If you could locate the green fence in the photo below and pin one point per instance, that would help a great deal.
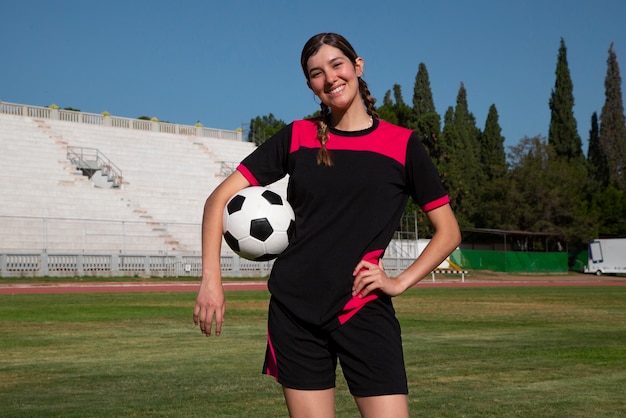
(511, 261)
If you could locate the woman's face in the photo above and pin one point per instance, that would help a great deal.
(334, 78)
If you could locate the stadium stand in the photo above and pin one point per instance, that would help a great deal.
(167, 171)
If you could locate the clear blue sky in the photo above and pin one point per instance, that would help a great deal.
(223, 63)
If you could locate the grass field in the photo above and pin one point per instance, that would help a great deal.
(470, 352)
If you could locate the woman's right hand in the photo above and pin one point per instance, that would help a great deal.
(210, 306)
(210, 303)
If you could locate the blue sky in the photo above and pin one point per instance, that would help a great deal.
(223, 63)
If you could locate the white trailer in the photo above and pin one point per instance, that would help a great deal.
(606, 256)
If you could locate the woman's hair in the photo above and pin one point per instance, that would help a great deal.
(310, 48)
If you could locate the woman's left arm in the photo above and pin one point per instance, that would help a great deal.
(447, 237)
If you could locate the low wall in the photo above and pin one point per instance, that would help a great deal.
(120, 265)
(139, 265)
(29, 264)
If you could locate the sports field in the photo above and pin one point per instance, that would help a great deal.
(471, 351)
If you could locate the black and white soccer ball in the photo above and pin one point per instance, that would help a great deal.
(258, 223)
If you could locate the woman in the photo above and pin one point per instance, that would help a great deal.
(350, 177)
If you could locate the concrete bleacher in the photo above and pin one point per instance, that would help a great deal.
(48, 205)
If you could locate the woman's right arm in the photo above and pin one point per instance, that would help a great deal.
(210, 303)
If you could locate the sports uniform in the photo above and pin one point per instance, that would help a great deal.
(344, 213)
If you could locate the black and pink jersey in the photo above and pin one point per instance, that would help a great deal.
(344, 213)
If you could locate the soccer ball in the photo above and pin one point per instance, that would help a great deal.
(258, 223)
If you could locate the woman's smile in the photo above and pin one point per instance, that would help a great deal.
(337, 90)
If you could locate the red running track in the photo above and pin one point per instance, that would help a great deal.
(46, 288)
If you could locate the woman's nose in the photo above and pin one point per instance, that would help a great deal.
(331, 77)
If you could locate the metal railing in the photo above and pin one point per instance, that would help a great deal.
(122, 265)
(92, 159)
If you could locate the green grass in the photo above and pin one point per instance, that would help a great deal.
(472, 352)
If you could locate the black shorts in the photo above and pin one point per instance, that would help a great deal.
(368, 346)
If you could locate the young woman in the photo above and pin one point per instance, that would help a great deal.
(350, 177)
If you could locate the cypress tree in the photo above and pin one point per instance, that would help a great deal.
(494, 192)
(492, 155)
(563, 134)
(427, 122)
(468, 143)
(597, 165)
(449, 170)
(386, 111)
(423, 102)
(612, 124)
(460, 159)
(402, 110)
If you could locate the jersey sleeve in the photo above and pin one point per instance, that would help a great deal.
(423, 181)
(269, 162)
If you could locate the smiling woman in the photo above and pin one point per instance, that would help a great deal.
(333, 71)
(350, 176)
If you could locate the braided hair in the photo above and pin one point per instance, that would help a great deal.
(310, 49)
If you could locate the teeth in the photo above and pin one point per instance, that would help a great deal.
(336, 90)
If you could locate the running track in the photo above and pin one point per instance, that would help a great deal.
(101, 287)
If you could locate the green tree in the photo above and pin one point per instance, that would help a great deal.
(612, 124)
(563, 133)
(263, 127)
(460, 150)
(427, 122)
(609, 207)
(597, 164)
(423, 102)
(403, 112)
(449, 171)
(493, 192)
(492, 155)
(387, 110)
(547, 193)
(395, 110)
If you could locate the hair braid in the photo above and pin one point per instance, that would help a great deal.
(368, 99)
(323, 156)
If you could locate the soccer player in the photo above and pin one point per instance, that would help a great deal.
(350, 175)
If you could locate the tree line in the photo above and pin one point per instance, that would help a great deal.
(540, 184)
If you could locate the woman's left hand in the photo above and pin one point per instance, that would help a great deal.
(369, 277)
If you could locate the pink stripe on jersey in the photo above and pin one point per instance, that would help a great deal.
(272, 366)
(388, 140)
(248, 175)
(357, 302)
(436, 203)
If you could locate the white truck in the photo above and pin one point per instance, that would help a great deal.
(606, 256)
